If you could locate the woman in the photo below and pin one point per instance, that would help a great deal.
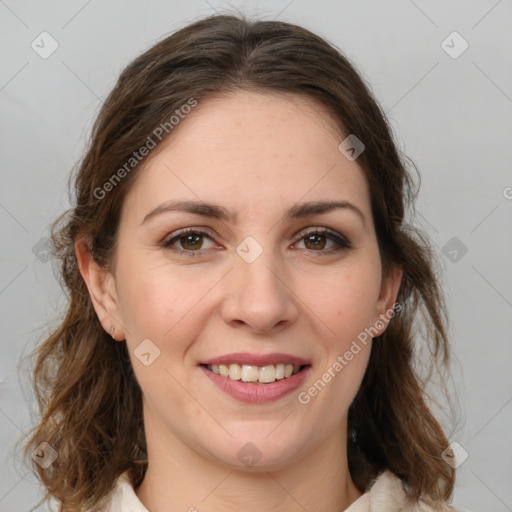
(239, 232)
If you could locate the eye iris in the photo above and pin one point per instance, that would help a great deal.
(187, 238)
(316, 244)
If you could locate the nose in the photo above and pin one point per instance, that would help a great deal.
(259, 295)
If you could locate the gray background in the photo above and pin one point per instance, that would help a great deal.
(452, 116)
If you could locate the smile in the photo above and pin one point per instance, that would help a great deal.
(258, 374)
(245, 384)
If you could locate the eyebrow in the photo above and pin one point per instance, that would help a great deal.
(218, 212)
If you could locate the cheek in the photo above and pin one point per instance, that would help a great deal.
(152, 304)
(161, 302)
(344, 300)
(143, 296)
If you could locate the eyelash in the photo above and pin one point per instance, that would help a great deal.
(342, 242)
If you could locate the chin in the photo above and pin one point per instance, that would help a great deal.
(260, 455)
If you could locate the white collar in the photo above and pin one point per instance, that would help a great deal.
(385, 494)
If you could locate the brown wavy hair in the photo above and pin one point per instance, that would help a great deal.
(89, 400)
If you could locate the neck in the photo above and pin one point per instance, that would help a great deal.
(178, 478)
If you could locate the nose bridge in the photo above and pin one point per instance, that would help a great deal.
(261, 273)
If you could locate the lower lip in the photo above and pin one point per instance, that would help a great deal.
(257, 393)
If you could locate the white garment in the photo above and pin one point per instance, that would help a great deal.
(386, 494)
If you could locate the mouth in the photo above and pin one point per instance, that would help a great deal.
(265, 374)
(256, 378)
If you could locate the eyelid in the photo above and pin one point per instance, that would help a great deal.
(321, 231)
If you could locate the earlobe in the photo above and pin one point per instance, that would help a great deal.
(101, 286)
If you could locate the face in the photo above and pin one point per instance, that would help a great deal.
(260, 280)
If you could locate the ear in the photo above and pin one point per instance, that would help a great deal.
(385, 309)
(102, 291)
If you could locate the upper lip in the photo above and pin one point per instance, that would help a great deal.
(242, 358)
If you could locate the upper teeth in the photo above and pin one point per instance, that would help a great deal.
(250, 373)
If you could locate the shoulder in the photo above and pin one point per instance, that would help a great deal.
(387, 494)
(121, 498)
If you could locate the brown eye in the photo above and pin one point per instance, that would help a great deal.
(193, 242)
(318, 240)
(315, 241)
(188, 241)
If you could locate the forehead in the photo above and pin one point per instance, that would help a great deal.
(248, 151)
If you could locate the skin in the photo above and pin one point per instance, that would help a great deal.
(257, 155)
